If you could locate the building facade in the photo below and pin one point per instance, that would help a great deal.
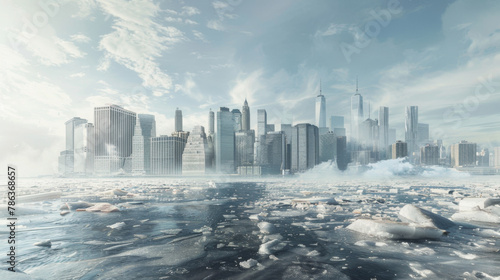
(144, 130)
(166, 155)
(197, 158)
(224, 142)
(399, 149)
(463, 154)
(84, 149)
(305, 147)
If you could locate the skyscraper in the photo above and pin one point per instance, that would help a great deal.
(320, 109)
(244, 148)
(463, 154)
(399, 150)
(178, 120)
(383, 134)
(356, 114)
(166, 155)
(145, 129)
(327, 146)
(261, 122)
(224, 142)
(245, 117)
(423, 133)
(429, 154)
(211, 126)
(114, 129)
(197, 157)
(342, 159)
(275, 152)
(70, 131)
(411, 129)
(305, 147)
(236, 119)
(84, 149)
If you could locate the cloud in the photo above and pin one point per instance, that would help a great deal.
(80, 38)
(137, 40)
(77, 75)
(215, 25)
(246, 87)
(189, 88)
(334, 29)
(189, 11)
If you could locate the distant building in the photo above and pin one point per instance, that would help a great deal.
(336, 122)
(320, 109)
(411, 129)
(84, 149)
(483, 158)
(261, 122)
(145, 128)
(339, 131)
(463, 154)
(178, 120)
(211, 126)
(245, 117)
(305, 147)
(166, 155)
(275, 152)
(399, 150)
(244, 148)
(383, 133)
(114, 129)
(269, 128)
(429, 155)
(236, 113)
(260, 138)
(66, 162)
(342, 158)
(197, 157)
(356, 114)
(327, 146)
(496, 151)
(224, 140)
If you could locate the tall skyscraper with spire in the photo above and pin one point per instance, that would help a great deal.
(145, 129)
(211, 126)
(178, 120)
(320, 109)
(356, 113)
(245, 117)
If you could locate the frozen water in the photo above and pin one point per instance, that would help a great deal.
(187, 228)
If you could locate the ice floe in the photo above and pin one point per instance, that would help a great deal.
(395, 230)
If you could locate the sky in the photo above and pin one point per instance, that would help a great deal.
(60, 59)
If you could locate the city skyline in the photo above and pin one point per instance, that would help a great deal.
(439, 56)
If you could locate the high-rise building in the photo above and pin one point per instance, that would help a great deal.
(211, 126)
(275, 152)
(336, 122)
(383, 133)
(244, 148)
(463, 154)
(70, 131)
(287, 129)
(483, 157)
(114, 129)
(496, 152)
(320, 109)
(145, 128)
(429, 154)
(84, 149)
(399, 149)
(66, 162)
(245, 117)
(178, 120)
(197, 158)
(237, 119)
(305, 147)
(423, 134)
(269, 128)
(342, 159)
(166, 155)
(327, 146)
(261, 122)
(356, 114)
(224, 140)
(411, 128)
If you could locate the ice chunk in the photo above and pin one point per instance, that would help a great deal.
(78, 205)
(46, 243)
(271, 246)
(482, 216)
(412, 214)
(116, 192)
(465, 255)
(394, 230)
(249, 263)
(315, 200)
(470, 203)
(38, 197)
(117, 226)
(65, 212)
(102, 207)
(265, 227)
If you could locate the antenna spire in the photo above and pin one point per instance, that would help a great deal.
(356, 83)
